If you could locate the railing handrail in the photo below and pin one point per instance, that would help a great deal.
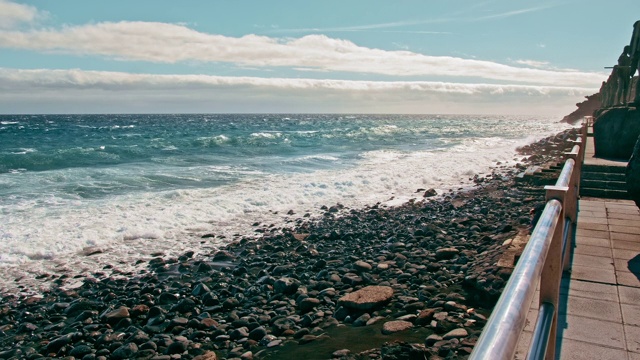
(543, 257)
(500, 335)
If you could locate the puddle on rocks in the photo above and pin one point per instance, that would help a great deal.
(356, 339)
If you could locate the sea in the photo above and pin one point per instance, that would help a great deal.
(85, 195)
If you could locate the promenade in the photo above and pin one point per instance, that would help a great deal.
(599, 314)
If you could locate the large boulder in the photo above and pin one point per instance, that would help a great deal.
(615, 132)
(633, 174)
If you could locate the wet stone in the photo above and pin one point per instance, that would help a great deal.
(286, 285)
(362, 320)
(361, 266)
(115, 316)
(455, 334)
(308, 304)
(392, 327)
(432, 339)
(341, 353)
(367, 298)
(80, 351)
(446, 253)
(125, 351)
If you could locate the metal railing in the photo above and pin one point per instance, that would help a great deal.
(542, 261)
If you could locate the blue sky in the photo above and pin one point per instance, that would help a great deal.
(406, 56)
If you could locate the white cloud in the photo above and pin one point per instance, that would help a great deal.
(12, 14)
(66, 91)
(533, 63)
(170, 43)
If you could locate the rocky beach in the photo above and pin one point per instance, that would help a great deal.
(413, 281)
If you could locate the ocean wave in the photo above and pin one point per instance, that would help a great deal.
(147, 200)
(267, 135)
(24, 151)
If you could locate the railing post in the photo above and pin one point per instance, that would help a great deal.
(585, 128)
(552, 270)
(578, 158)
(570, 203)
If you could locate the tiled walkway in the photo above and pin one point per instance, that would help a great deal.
(599, 315)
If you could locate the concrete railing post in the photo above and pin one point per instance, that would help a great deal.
(552, 270)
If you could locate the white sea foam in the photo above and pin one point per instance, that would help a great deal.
(267, 135)
(134, 226)
(24, 151)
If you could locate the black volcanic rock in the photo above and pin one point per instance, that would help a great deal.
(633, 174)
(615, 132)
(585, 108)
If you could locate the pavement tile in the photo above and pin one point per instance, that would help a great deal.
(621, 265)
(523, 345)
(580, 350)
(593, 274)
(625, 254)
(591, 290)
(592, 214)
(633, 356)
(629, 295)
(624, 204)
(532, 317)
(593, 250)
(630, 314)
(592, 220)
(585, 240)
(594, 202)
(626, 245)
(592, 233)
(631, 266)
(632, 334)
(593, 308)
(625, 229)
(625, 237)
(625, 222)
(627, 279)
(593, 261)
(622, 210)
(624, 216)
(592, 226)
(594, 331)
(535, 303)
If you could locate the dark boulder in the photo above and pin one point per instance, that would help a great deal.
(615, 133)
(633, 174)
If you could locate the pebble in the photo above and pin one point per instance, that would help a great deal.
(392, 327)
(455, 333)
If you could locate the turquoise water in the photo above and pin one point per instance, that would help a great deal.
(134, 184)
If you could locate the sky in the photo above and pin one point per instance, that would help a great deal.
(405, 56)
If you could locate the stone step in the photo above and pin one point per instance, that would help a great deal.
(603, 169)
(603, 184)
(604, 193)
(603, 176)
(550, 170)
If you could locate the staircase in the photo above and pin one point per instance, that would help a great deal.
(603, 181)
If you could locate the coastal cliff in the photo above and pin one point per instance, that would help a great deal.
(585, 108)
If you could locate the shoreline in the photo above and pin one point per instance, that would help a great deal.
(284, 291)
